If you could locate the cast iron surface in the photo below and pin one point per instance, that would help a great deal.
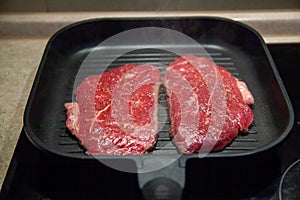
(232, 45)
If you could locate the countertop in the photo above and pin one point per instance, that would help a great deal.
(24, 36)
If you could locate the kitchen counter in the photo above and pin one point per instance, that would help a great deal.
(19, 60)
(23, 37)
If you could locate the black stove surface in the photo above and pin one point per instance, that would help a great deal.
(34, 174)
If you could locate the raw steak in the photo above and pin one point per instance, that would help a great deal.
(207, 105)
(116, 113)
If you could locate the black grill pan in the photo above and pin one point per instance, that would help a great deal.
(232, 45)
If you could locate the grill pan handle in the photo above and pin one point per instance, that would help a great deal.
(163, 184)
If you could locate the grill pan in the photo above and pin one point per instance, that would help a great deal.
(233, 45)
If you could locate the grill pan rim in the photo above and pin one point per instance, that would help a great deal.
(41, 144)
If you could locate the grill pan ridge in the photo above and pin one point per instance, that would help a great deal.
(249, 141)
(237, 48)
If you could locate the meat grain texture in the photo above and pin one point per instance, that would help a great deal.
(116, 113)
(207, 105)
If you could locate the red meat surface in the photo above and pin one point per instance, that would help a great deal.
(207, 105)
(115, 113)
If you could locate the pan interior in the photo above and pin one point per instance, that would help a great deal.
(237, 49)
